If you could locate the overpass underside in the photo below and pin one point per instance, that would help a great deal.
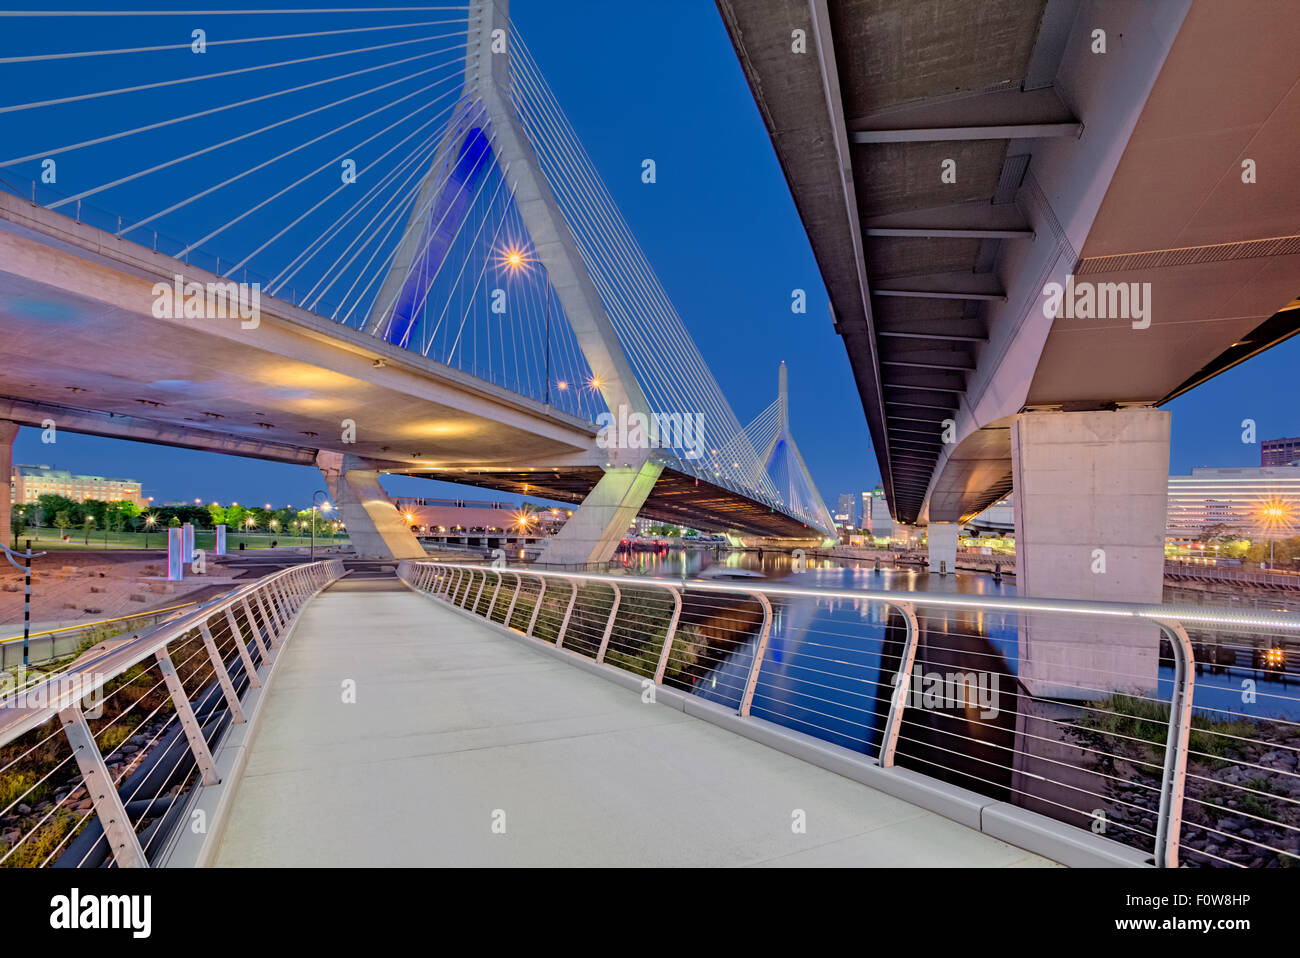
(677, 498)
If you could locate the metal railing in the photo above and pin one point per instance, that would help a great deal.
(54, 644)
(98, 759)
(1091, 713)
(1214, 573)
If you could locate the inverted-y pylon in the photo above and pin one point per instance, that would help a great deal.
(781, 459)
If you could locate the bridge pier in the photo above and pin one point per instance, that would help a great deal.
(941, 538)
(601, 522)
(8, 432)
(1090, 491)
(375, 527)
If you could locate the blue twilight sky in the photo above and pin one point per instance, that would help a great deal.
(661, 81)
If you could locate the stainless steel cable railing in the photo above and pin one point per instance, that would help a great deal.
(99, 755)
(1171, 729)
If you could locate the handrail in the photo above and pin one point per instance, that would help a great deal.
(1132, 610)
(279, 596)
(1168, 621)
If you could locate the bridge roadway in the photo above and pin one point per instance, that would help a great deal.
(454, 720)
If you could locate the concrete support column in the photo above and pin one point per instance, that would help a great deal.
(8, 432)
(942, 539)
(375, 527)
(1090, 491)
(601, 522)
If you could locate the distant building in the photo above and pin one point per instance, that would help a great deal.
(467, 515)
(876, 517)
(29, 483)
(1279, 452)
(1249, 502)
(846, 513)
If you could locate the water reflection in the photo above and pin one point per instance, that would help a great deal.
(830, 666)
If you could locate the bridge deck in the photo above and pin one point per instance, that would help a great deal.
(453, 720)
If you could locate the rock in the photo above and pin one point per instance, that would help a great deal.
(1230, 825)
(85, 806)
(137, 740)
(24, 809)
(128, 749)
(136, 597)
(1248, 833)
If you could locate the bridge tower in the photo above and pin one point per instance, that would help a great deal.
(486, 120)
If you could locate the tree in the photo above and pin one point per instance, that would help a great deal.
(89, 523)
(17, 520)
(63, 521)
(174, 522)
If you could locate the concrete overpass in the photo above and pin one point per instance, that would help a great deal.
(86, 350)
(952, 161)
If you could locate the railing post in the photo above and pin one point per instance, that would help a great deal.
(121, 836)
(272, 628)
(538, 607)
(564, 625)
(609, 625)
(249, 670)
(902, 683)
(263, 645)
(668, 639)
(760, 649)
(479, 595)
(1169, 824)
(223, 675)
(510, 612)
(495, 592)
(189, 724)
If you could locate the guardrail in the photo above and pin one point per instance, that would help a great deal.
(54, 644)
(1087, 712)
(1214, 573)
(98, 759)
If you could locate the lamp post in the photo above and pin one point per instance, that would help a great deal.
(324, 507)
(149, 522)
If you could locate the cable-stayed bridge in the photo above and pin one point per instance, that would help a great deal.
(368, 240)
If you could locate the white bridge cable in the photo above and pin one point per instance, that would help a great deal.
(419, 148)
(45, 57)
(464, 119)
(82, 97)
(815, 510)
(624, 247)
(243, 136)
(334, 161)
(638, 347)
(222, 13)
(416, 318)
(56, 151)
(406, 193)
(751, 474)
(413, 161)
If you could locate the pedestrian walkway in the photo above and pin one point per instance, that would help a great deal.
(465, 747)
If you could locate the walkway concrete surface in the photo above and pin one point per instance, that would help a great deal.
(465, 747)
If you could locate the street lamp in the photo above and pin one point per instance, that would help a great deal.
(324, 507)
(149, 522)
